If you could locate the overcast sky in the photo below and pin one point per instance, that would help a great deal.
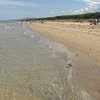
(15, 9)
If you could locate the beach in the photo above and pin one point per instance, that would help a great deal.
(83, 40)
(49, 61)
(32, 67)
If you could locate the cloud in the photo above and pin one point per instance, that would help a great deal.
(82, 10)
(62, 11)
(13, 9)
(19, 3)
(51, 12)
(91, 5)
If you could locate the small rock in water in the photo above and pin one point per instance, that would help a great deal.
(69, 65)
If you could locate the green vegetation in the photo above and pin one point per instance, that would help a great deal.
(79, 16)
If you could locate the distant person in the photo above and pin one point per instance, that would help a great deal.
(21, 23)
(30, 22)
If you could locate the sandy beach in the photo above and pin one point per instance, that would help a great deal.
(83, 40)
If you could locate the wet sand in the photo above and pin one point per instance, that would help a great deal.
(84, 41)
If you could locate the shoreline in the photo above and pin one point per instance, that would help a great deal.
(83, 40)
(73, 35)
(32, 66)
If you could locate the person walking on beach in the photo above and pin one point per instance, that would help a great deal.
(21, 23)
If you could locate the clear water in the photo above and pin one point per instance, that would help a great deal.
(30, 66)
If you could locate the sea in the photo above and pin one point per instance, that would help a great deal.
(32, 67)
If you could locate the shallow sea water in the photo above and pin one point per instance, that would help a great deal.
(30, 68)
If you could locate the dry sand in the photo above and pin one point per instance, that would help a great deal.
(84, 41)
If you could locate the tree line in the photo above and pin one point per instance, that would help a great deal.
(95, 15)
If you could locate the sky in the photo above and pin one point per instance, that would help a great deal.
(16, 9)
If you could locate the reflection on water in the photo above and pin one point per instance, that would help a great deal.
(31, 69)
